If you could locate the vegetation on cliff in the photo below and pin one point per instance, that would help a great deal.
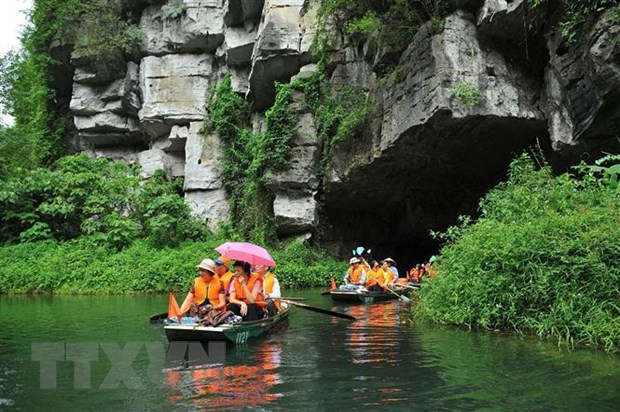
(542, 258)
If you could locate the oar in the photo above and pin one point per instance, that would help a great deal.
(320, 310)
(401, 297)
(157, 318)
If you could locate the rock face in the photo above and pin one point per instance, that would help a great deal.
(425, 155)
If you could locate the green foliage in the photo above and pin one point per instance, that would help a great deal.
(577, 12)
(173, 9)
(542, 257)
(83, 266)
(101, 31)
(466, 93)
(362, 25)
(106, 201)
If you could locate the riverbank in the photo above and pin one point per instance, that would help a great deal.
(83, 267)
(542, 259)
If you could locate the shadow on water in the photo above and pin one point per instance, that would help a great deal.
(315, 362)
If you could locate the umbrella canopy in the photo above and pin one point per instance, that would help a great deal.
(247, 252)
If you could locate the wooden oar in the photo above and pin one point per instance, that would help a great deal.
(320, 310)
(401, 297)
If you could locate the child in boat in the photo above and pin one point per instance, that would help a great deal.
(246, 293)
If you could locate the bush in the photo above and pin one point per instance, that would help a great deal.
(83, 266)
(543, 258)
(466, 93)
(108, 201)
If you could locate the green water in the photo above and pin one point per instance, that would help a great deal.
(314, 363)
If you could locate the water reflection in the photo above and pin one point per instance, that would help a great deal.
(249, 383)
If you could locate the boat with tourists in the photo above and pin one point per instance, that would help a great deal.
(236, 333)
(361, 296)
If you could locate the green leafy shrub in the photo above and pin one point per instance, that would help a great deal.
(173, 9)
(575, 13)
(542, 258)
(83, 266)
(362, 25)
(466, 93)
(80, 196)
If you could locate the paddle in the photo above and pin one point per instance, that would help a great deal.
(401, 297)
(320, 310)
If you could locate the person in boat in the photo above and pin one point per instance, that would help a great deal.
(356, 275)
(271, 289)
(415, 275)
(388, 274)
(207, 292)
(376, 277)
(246, 293)
(392, 266)
(222, 265)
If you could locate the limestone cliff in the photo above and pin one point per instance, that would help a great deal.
(425, 157)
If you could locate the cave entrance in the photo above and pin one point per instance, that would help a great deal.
(423, 182)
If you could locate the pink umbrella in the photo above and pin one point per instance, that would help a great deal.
(247, 252)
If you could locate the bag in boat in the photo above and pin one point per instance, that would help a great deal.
(216, 318)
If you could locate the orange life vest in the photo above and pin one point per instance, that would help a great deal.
(373, 277)
(240, 293)
(225, 278)
(268, 288)
(215, 288)
(200, 290)
(389, 275)
(355, 275)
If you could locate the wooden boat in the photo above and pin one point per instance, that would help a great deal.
(363, 297)
(236, 332)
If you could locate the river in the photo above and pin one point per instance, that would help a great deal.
(315, 362)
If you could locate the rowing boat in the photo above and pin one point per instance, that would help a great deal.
(236, 332)
(363, 297)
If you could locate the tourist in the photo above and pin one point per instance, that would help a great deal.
(376, 277)
(392, 265)
(245, 293)
(207, 292)
(388, 273)
(271, 289)
(356, 275)
(222, 265)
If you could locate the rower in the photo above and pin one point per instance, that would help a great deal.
(388, 273)
(376, 277)
(356, 275)
(271, 289)
(245, 293)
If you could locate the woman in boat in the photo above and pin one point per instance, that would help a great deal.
(271, 290)
(246, 293)
(376, 277)
(207, 292)
(222, 265)
(356, 275)
(389, 275)
(392, 267)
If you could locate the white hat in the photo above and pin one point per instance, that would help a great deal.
(389, 260)
(354, 260)
(207, 264)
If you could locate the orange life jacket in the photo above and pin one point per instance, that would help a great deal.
(373, 277)
(355, 275)
(200, 290)
(240, 293)
(268, 288)
(225, 278)
(215, 288)
(389, 275)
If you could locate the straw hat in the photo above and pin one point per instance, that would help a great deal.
(207, 264)
(354, 260)
(390, 260)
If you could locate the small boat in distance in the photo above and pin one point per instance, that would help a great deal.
(236, 333)
(361, 296)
